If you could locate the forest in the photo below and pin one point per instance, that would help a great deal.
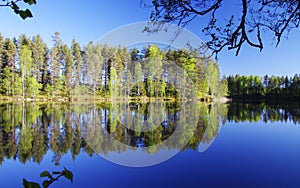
(29, 70)
(275, 88)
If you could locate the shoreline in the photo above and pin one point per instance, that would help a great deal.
(143, 99)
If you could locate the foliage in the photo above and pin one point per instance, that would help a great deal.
(51, 178)
(101, 71)
(14, 6)
(32, 87)
(25, 66)
(268, 87)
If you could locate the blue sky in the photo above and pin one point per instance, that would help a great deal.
(88, 20)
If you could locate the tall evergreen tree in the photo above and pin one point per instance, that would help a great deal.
(138, 79)
(69, 63)
(107, 59)
(77, 58)
(24, 41)
(39, 54)
(9, 61)
(1, 56)
(94, 63)
(1, 51)
(54, 86)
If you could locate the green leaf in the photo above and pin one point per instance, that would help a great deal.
(33, 185)
(15, 7)
(68, 174)
(25, 14)
(46, 183)
(16, 11)
(45, 174)
(30, 2)
(25, 183)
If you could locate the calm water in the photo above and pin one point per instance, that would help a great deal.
(236, 145)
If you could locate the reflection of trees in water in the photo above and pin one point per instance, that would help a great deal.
(28, 131)
(210, 120)
(266, 112)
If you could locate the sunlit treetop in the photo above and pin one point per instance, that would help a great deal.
(230, 24)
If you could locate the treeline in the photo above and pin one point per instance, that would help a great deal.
(28, 131)
(29, 69)
(266, 112)
(267, 87)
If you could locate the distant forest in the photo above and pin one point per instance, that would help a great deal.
(31, 70)
(281, 88)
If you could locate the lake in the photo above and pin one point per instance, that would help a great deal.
(152, 145)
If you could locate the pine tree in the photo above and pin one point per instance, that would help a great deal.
(94, 63)
(1, 57)
(138, 80)
(45, 70)
(107, 59)
(77, 58)
(127, 77)
(9, 61)
(69, 63)
(54, 71)
(6, 82)
(24, 41)
(39, 53)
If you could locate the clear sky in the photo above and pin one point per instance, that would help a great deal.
(88, 20)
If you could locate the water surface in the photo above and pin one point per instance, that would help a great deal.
(237, 145)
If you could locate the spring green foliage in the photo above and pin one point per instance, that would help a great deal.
(114, 83)
(29, 69)
(25, 70)
(267, 87)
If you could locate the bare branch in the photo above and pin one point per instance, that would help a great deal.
(279, 34)
(257, 17)
(201, 13)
